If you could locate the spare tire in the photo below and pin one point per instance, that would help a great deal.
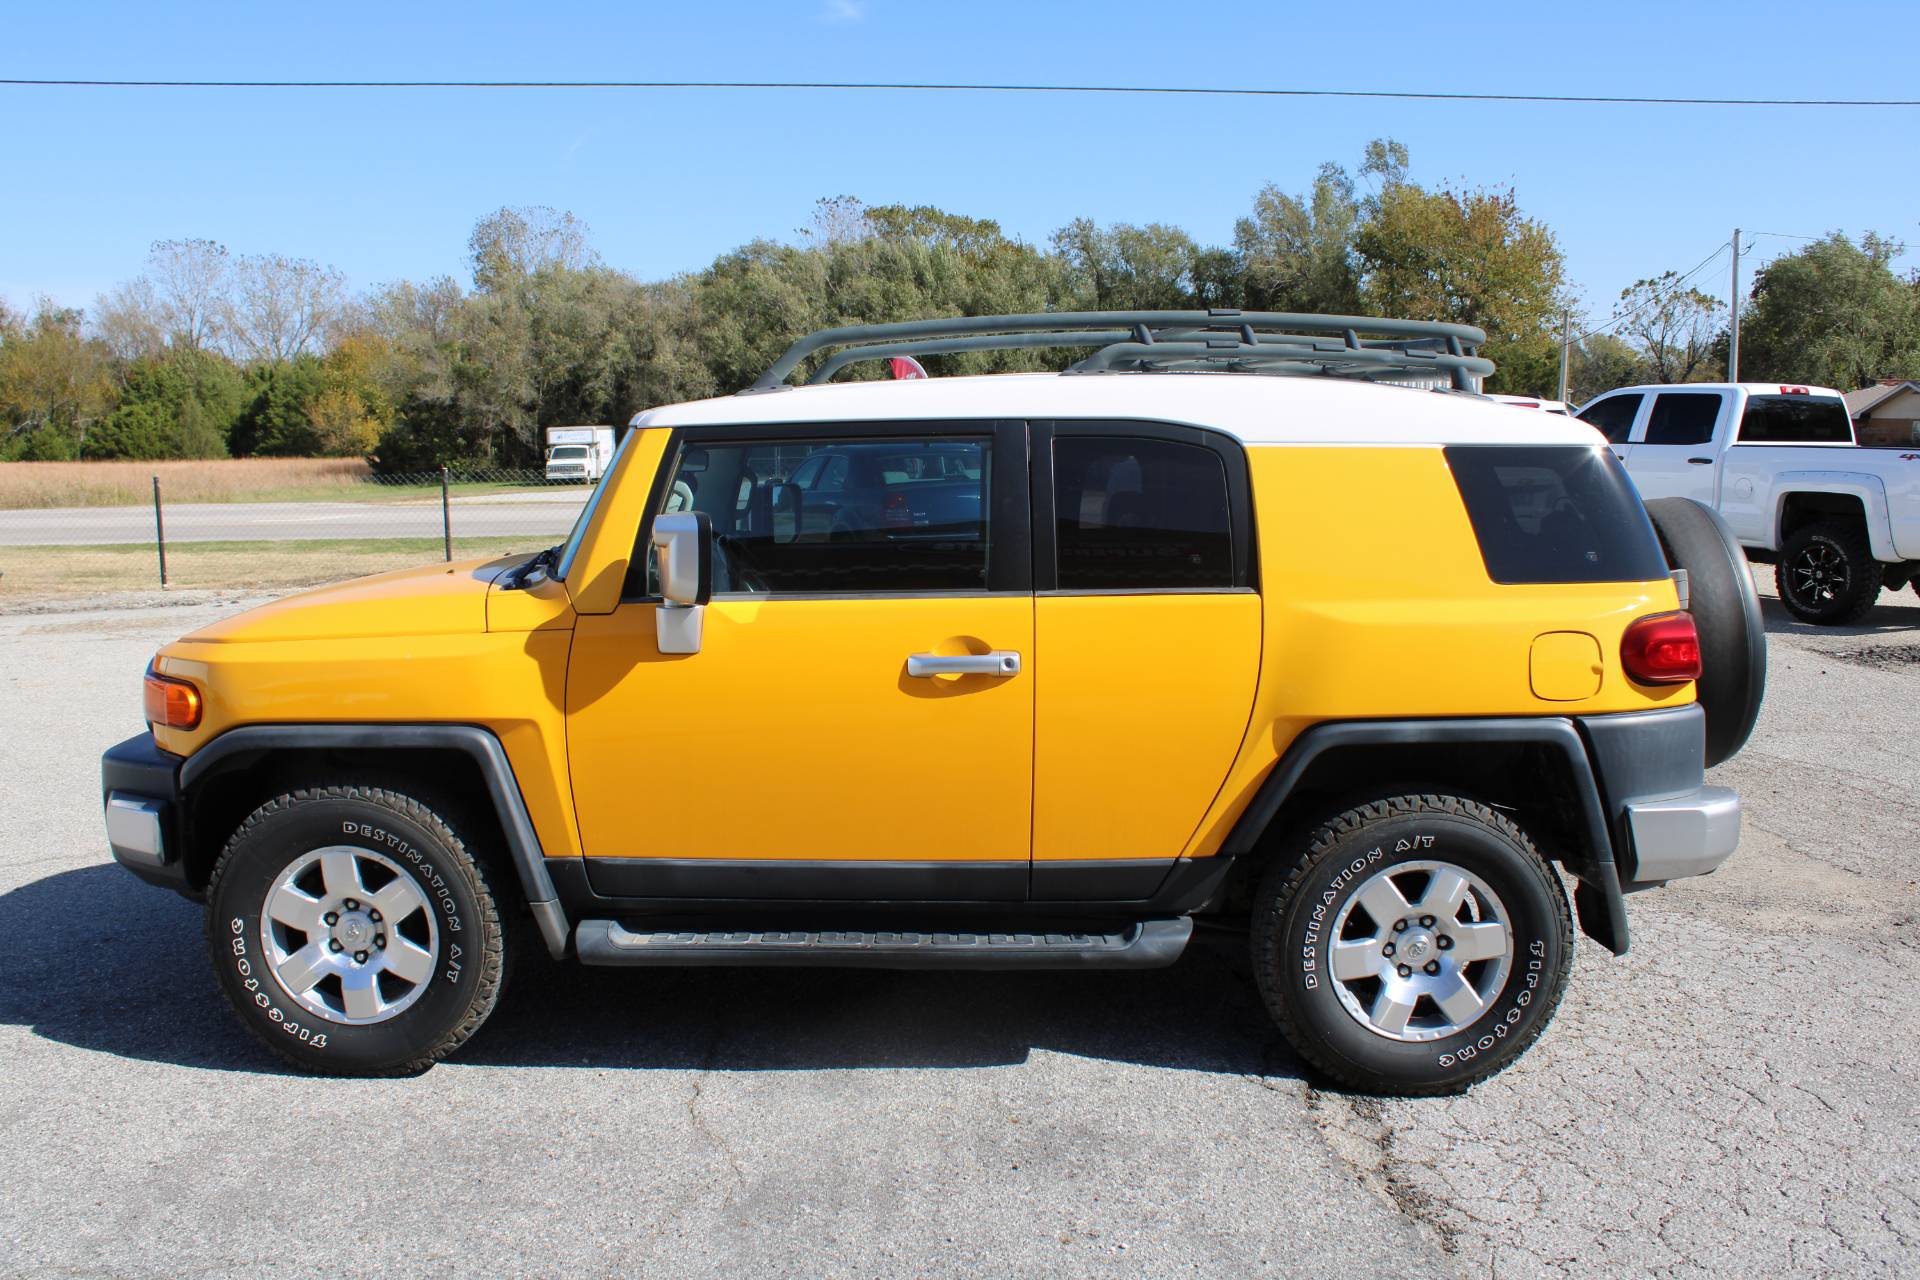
(1726, 613)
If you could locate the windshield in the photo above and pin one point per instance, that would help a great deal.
(563, 451)
(571, 547)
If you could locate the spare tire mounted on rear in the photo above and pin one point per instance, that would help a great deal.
(1726, 612)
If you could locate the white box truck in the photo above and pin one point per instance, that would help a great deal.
(578, 454)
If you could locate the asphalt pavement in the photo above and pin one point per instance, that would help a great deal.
(542, 512)
(1737, 1097)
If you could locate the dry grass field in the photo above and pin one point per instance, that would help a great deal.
(120, 484)
(27, 573)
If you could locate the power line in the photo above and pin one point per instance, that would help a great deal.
(916, 87)
(1679, 284)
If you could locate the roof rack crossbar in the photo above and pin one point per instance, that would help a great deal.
(1080, 322)
(1133, 355)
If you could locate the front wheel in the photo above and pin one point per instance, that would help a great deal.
(354, 932)
(1418, 945)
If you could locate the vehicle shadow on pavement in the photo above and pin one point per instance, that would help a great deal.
(1895, 612)
(139, 986)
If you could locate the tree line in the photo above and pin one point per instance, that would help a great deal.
(209, 355)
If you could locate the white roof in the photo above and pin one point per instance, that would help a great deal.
(1751, 388)
(1257, 409)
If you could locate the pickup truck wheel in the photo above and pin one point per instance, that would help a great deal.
(353, 931)
(1726, 613)
(1827, 574)
(1416, 947)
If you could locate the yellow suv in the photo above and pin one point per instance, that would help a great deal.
(1263, 617)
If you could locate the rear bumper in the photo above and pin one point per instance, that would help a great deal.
(1666, 822)
(140, 788)
(1688, 835)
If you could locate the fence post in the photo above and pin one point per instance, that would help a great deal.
(446, 512)
(159, 531)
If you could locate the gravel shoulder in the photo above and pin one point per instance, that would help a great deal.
(1736, 1097)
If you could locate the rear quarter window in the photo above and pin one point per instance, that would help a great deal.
(1555, 513)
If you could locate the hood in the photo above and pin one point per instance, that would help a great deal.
(440, 599)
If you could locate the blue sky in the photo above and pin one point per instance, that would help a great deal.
(387, 184)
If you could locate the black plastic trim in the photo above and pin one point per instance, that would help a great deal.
(1645, 755)
(1098, 880)
(238, 746)
(808, 879)
(1594, 863)
(139, 767)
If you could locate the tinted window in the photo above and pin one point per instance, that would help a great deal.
(882, 515)
(1683, 417)
(1555, 513)
(1612, 417)
(1795, 420)
(1139, 514)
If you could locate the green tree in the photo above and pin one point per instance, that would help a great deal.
(1600, 362)
(182, 404)
(55, 385)
(1124, 267)
(276, 420)
(1297, 253)
(1833, 314)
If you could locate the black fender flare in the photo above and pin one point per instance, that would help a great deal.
(237, 747)
(1597, 895)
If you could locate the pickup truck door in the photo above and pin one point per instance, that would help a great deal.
(1674, 450)
(1148, 628)
(858, 721)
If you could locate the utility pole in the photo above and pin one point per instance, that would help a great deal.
(1733, 300)
(1566, 346)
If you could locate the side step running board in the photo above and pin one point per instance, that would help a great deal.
(1150, 944)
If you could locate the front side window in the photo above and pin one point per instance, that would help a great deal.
(1612, 417)
(1137, 514)
(907, 515)
(1792, 419)
(1683, 417)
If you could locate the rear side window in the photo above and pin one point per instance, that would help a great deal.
(1613, 417)
(1140, 514)
(1683, 417)
(1555, 513)
(1795, 420)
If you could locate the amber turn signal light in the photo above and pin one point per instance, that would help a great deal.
(173, 703)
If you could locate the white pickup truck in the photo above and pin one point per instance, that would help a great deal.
(1780, 463)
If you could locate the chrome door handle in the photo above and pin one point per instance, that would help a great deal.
(1001, 662)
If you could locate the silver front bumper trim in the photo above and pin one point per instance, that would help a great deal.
(134, 831)
(1688, 835)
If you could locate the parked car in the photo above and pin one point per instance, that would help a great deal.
(1076, 660)
(1780, 463)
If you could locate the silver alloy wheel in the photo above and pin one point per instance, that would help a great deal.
(348, 952)
(1424, 967)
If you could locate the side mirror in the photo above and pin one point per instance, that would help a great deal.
(683, 546)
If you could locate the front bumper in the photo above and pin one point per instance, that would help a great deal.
(140, 787)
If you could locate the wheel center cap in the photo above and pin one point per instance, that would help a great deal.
(1417, 947)
(354, 930)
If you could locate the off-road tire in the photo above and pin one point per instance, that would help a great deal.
(470, 941)
(1726, 614)
(1836, 538)
(1302, 895)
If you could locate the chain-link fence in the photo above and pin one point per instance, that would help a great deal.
(272, 540)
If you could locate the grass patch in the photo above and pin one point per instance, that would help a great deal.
(239, 566)
(130, 484)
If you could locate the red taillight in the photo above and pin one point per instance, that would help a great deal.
(1795, 391)
(173, 703)
(1661, 649)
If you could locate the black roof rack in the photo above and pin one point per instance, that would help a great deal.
(1362, 347)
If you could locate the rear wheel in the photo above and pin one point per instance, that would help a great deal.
(354, 932)
(1417, 946)
(1827, 574)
